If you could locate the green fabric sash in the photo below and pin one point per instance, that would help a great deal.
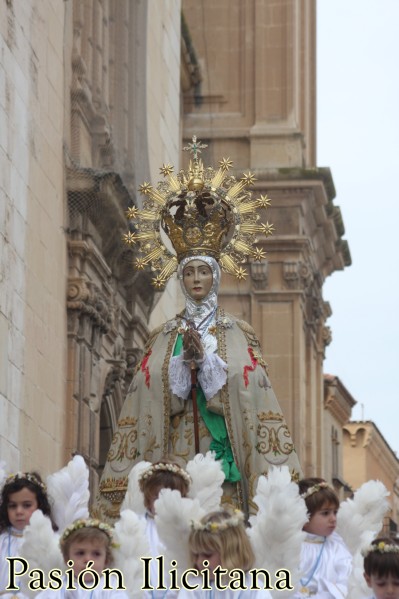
(216, 426)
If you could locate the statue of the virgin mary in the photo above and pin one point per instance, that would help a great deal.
(202, 383)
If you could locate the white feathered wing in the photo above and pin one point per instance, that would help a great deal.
(131, 544)
(173, 518)
(276, 531)
(134, 498)
(3, 473)
(359, 521)
(69, 491)
(207, 479)
(40, 545)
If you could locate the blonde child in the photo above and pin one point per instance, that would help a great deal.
(22, 494)
(219, 541)
(84, 541)
(381, 568)
(325, 560)
(165, 474)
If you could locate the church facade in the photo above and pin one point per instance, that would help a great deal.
(95, 95)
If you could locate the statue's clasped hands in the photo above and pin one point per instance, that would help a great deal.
(193, 350)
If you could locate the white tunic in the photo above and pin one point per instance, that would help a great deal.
(215, 593)
(326, 564)
(156, 549)
(10, 544)
(98, 593)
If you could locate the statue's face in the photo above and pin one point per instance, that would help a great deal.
(197, 279)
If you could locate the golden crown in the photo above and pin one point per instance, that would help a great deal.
(203, 211)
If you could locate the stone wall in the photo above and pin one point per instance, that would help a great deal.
(32, 234)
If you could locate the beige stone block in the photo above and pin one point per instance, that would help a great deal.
(9, 453)
(18, 189)
(276, 152)
(4, 172)
(17, 346)
(11, 418)
(17, 232)
(55, 108)
(4, 326)
(15, 384)
(18, 311)
(4, 131)
(55, 71)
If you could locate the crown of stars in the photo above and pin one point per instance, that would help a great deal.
(249, 178)
(267, 228)
(166, 169)
(263, 202)
(225, 164)
(129, 238)
(145, 188)
(131, 212)
(204, 198)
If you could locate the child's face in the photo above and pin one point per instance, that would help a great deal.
(85, 551)
(323, 522)
(384, 587)
(20, 507)
(213, 557)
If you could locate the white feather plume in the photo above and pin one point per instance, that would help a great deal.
(357, 586)
(174, 514)
(276, 531)
(131, 544)
(134, 498)
(359, 520)
(3, 473)
(40, 545)
(207, 479)
(365, 512)
(69, 491)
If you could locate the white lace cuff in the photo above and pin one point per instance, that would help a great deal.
(212, 375)
(179, 377)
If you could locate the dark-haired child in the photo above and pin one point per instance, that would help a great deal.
(381, 568)
(21, 495)
(326, 562)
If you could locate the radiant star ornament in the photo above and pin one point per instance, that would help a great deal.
(203, 211)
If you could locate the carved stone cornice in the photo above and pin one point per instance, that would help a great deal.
(85, 298)
(259, 274)
(116, 375)
(96, 120)
(297, 275)
(326, 336)
(337, 399)
(366, 435)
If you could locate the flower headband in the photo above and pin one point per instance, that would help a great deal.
(380, 547)
(87, 523)
(214, 527)
(314, 489)
(164, 467)
(32, 478)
